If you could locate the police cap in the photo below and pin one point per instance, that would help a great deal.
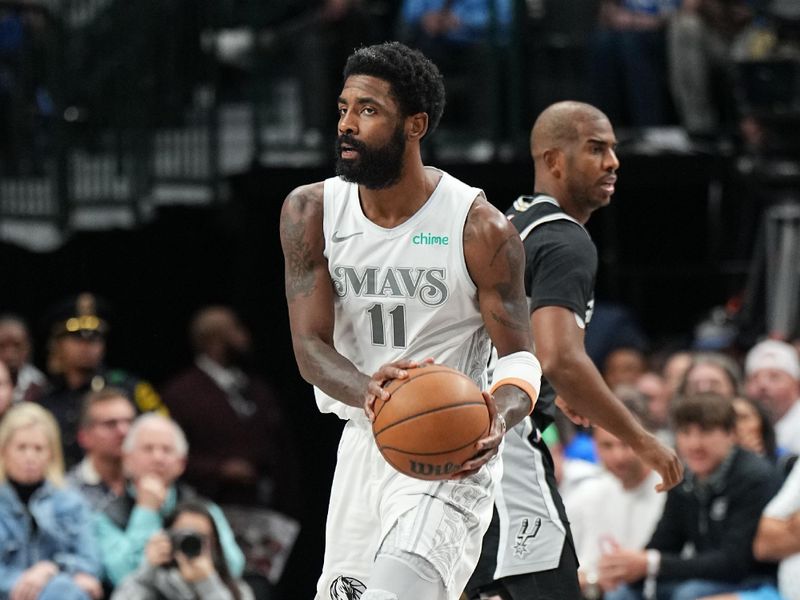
(84, 315)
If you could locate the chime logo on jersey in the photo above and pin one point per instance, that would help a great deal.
(347, 588)
(525, 533)
(429, 239)
(392, 282)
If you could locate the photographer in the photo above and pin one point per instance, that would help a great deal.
(184, 562)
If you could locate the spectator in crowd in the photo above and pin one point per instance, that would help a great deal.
(704, 38)
(16, 351)
(627, 55)
(656, 392)
(715, 512)
(6, 389)
(778, 535)
(184, 561)
(243, 454)
(755, 432)
(77, 328)
(674, 370)
(106, 417)
(462, 37)
(45, 531)
(624, 365)
(772, 372)
(712, 372)
(618, 508)
(613, 326)
(154, 457)
(570, 473)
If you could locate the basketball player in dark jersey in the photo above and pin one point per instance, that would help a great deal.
(528, 550)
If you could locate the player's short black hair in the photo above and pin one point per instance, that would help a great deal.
(415, 81)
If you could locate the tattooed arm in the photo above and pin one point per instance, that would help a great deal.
(309, 294)
(496, 261)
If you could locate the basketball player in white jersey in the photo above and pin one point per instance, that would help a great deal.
(528, 551)
(387, 265)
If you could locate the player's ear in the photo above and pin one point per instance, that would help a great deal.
(416, 125)
(552, 160)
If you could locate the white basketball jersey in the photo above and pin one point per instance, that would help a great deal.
(402, 292)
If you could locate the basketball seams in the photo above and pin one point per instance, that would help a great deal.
(427, 412)
(412, 453)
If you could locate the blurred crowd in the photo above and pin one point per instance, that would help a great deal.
(729, 530)
(645, 63)
(113, 488)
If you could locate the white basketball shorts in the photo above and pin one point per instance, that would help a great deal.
(444, 521)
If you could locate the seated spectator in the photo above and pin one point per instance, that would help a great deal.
(657, 394)
(154, 457)
(703, 37)
(16, 350)
(45, 531)
(624, 365)
(106, 417)
(628, 66)
(618, 508)
(570, 472)
(778, 535)
(674, 369)
(184, 561)
(712, 372)
(77, 344)
(6, 389)
(460, 36)
(754, 432)
(702, 544)
(243, 455)
(772, 377)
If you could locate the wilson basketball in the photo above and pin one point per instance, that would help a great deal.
(431, 422)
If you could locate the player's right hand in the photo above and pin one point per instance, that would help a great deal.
(570, 413)
(376, 387)
(664, 461)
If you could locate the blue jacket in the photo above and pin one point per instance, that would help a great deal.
(63, 534)
(123, 529)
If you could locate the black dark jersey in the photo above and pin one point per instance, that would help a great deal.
(560, 270)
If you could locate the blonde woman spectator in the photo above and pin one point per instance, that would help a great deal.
(45, 531)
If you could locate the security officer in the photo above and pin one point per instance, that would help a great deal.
(77, 332)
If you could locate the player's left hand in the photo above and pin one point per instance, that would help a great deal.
(376, 387)
(488, 446)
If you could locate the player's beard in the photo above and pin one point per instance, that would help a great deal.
(375, 168)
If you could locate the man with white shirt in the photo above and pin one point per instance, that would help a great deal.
(618, 508)
(778, 536)
(772, 370)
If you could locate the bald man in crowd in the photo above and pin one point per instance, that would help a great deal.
(242, 455)
(528, 551)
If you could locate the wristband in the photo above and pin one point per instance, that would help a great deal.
(520, 369)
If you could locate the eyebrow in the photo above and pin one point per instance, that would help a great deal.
(363, 100)
(601, 142)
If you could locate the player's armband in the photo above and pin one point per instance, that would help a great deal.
(521, 369)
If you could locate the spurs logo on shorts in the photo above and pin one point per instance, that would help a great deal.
(524, 534)
(347, 588)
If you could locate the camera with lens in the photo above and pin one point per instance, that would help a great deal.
(187, 542)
